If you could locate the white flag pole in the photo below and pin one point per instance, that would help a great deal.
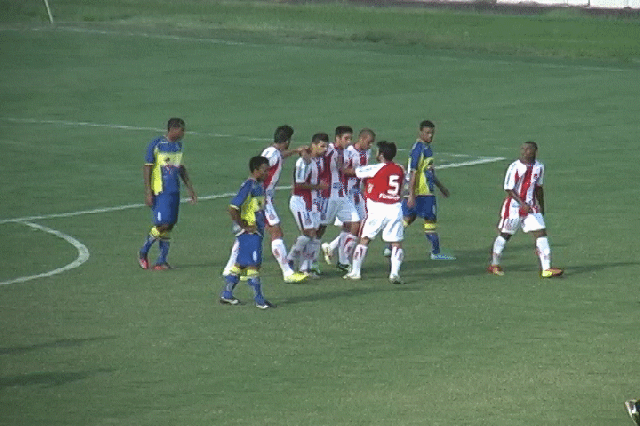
(46, 3)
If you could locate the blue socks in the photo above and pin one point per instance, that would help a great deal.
(435, 241)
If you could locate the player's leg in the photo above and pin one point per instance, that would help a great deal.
(166, 208)
(507, 226)
(534, 223)
(427, 209)
(350, 217)
(359, 254)
(409, 215)
(372, 226)
(278, 248)
(393, 233)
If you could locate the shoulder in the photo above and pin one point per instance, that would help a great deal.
(270, 152)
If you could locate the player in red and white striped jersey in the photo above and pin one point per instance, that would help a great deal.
(305, 202)
(338, 205)
(355, 155)
(524, 208)
(384, 210)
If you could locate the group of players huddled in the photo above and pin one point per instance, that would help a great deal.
(333, 183)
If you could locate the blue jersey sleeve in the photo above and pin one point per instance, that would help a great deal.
(242, 195)
(414, 157)
(150, 157)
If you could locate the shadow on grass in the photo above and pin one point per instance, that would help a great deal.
(48, 379)
(61, 343)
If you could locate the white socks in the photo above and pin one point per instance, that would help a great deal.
(544, 252)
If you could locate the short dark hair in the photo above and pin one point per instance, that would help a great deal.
(341, 130)
(367, 131)
(320, 137)
(175, 122)
(256, 162)
(387, 149)
(533, 144)
(282, 134)
(427, 123)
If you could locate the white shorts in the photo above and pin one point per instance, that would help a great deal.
(386, 218)
(341, 208)
(528, 223)
(305, 218)
(360, 204)
(270, 212)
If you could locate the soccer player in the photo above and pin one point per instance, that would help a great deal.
(384, 210)
(524, 208)
(421, 199)
(276, 153)
(304, 205)
(162, 172)
(355, 155)
(247, 213)
(338, 204)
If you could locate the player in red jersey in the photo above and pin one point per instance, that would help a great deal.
(524, 208)
(384, 210)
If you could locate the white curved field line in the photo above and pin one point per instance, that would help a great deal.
(83, 254)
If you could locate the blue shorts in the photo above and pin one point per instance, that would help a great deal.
(165, 208)
(250, 250)
(425, 208)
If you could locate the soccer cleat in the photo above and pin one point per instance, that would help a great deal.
(632, 409)
(312, 275)
(495, 270)
(161, 267)
(551, 273)
(229, 301)
(326, 251)
(143, 261)
(265, 304)
(343, 267)
(296, 277)
(386, 252)
(440, 256)
(395, 279)
(352, 276)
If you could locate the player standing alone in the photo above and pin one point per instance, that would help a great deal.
(384, 211)
(162, 172)
(524, 208)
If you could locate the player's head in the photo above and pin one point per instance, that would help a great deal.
(282, 136)
(386, 151)
(319, 144)
(365, 138)
(528, 152)
(344, 135)
(259, 167)
(175, 129)
(427, 130)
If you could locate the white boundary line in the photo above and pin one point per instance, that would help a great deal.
(83, 254)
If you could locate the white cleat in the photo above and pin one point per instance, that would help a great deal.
(352, 276)
(395, 279)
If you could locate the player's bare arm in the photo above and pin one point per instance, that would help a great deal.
(187, 182)
(539, 194)
(443, 189)
(289, 152)
(148, 193)
(411, 198)
(235, 217)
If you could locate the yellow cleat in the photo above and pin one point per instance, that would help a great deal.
(551, 273)
(296, 277)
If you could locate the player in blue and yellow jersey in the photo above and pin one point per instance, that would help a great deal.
(163, 170)
(421, 197)
(247, 213)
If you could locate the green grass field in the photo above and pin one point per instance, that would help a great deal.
(106, 343)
